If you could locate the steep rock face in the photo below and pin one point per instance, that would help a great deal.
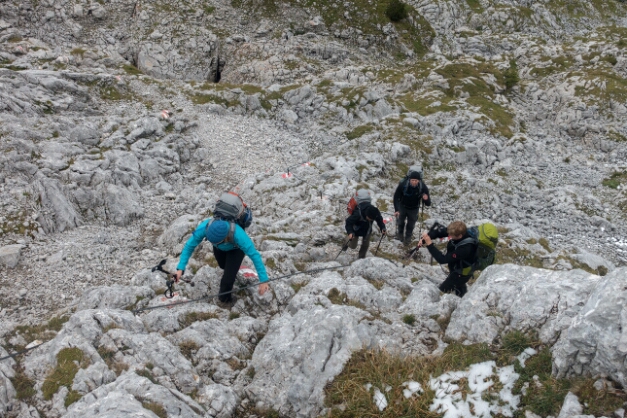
(595, 343)
(509, 297)
(301, 353)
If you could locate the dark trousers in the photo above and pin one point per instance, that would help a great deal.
(455, 283)
(365, 243)
(229, 261)
(409, 215)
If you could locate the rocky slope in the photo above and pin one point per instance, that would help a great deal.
(122, 122)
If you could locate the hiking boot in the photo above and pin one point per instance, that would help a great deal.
(399, 237)
(227, 305)
(407, 242)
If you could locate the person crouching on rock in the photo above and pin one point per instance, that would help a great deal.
(230, 245)
(460, 253)
(359, 224)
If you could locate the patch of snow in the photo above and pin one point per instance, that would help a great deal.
(522, 357)
(411, 388)
(379, 399)
(456, 398)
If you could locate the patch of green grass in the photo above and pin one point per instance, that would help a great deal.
(131, 70)
(615, 180)
(508, 253)
(475, 6)
(270, 263)
(63, 374)
(112, 93)
(71, 397)
(503, 120)
(23, 385)
(511, 75)
(202, 98)
(616, 136)
(37, 332)
(545, 244)
(359, 131)
(15, 39)
(158, 409)
(545, 400)
(409, 319)
(233, 315)
(366, 16)
(596, 402)
(381, 369)
(576, 264)
(513, 344)
(425, 105)
(192, 317)
(601, 86)
(297, 286)
(78, 51)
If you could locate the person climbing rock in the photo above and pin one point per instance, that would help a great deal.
(409, 195)
(460, 255)
(359, 224)
(230, 243)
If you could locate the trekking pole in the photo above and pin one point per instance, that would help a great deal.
(380, 239)
(413, 251)
(344, 248)
(169, 282)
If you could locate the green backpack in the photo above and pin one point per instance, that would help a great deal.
(485, 237)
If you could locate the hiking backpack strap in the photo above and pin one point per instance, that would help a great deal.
(470, 265)
(406, 187)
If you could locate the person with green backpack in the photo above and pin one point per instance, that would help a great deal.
(468, 250)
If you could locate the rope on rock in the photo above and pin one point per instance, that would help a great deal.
(150, 308)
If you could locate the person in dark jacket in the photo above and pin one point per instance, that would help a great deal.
(359, 224)
(410, 193)
(460, 253)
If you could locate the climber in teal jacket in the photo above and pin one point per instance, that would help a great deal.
(230, 245)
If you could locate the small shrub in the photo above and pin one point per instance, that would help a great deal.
(187, 347)
(156, 408)
(409, 319)
(147, 374)
(396, 10)
(23, 385)
(336, 297)
(511, 75)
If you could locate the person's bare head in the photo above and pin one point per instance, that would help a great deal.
(456, 229)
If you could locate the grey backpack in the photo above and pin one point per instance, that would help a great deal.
(232, 208)
(414, 169)
(361, 196)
